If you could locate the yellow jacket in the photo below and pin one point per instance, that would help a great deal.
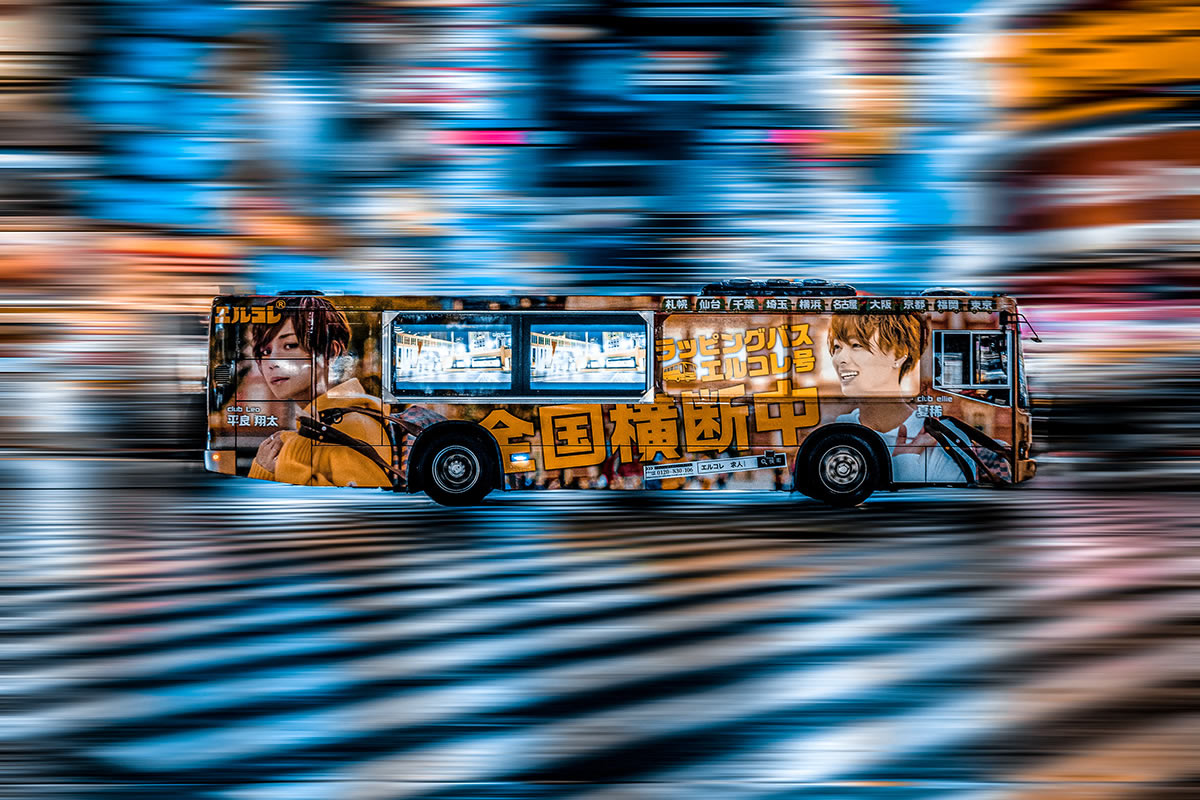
(303, 461)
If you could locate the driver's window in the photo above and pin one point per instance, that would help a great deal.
(973, 364)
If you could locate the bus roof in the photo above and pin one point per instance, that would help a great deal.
(670, 303)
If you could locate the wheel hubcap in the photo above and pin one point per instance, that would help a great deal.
(455, 469)
(843, 468)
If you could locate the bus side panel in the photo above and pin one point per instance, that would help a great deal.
(314, 354)
(732, 385)
(735, 396)
(592, 445)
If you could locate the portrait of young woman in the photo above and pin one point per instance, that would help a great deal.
(302, 357)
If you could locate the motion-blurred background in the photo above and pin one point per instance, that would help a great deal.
(173, 634)
(154, 154)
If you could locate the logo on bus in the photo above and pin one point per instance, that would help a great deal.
(261, 315)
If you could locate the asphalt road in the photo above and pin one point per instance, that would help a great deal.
(174, 634)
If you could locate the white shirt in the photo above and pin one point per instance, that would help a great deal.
(931, 465)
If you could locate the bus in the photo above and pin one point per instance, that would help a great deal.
(791, 385)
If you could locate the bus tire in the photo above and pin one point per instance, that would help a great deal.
(457, 471)
(842, 471)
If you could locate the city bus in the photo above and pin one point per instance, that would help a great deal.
(789, 385)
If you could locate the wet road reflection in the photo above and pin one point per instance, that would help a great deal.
(231, 639)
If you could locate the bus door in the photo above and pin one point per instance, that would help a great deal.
(973, 370)
(876, 366)
(355, 378)
(274, 382)
(223, 364)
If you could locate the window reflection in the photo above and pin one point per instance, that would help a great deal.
(972, 363)
(451, 355)
(597, 355)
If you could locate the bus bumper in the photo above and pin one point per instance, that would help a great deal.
(1026, 469)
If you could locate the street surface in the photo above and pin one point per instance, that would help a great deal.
(175, 634)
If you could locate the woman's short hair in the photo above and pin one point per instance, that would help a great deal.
(906, 335)
(320, 328)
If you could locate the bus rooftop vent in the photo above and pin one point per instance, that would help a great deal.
(777, 287)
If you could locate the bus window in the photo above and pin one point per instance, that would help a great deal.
(990, 360)
(601, 355)
(951, 359)
(973, 363)
(451, 354)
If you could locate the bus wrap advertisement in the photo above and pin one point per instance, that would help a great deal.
(618, 393)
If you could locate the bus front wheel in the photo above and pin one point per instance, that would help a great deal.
(457, 472)
(842, 471)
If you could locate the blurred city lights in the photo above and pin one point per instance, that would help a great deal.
(244, 639)
(152, 156)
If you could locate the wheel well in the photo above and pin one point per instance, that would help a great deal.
(452, 429)
(870, 436)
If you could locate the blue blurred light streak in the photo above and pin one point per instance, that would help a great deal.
(153, 156)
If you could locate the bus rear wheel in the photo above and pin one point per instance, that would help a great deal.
(457, 472)
(842, 471)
